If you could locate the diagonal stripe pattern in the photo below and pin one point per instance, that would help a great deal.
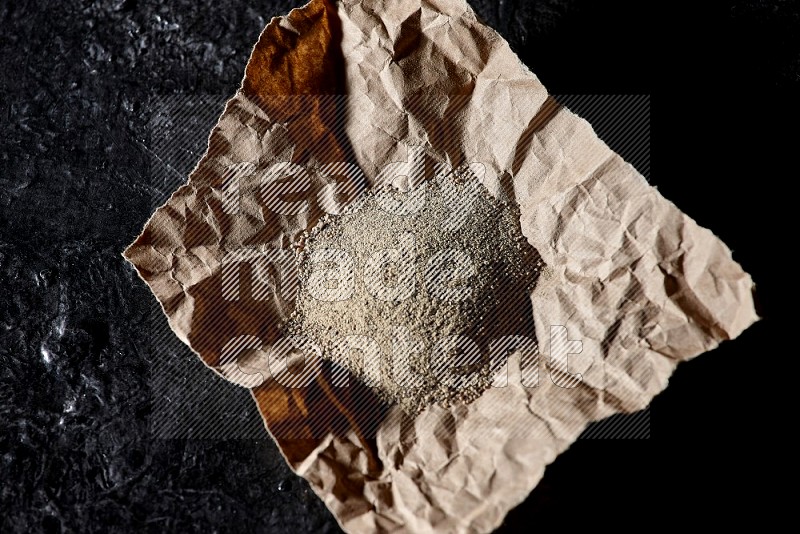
(189, 401)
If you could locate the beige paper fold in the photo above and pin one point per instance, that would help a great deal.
(639, 283)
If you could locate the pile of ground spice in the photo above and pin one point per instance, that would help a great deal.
(405, 289)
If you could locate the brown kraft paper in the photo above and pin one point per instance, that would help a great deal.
(632, 286)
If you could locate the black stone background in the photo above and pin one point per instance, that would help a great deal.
(75, 81)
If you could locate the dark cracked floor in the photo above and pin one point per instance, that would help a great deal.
(80, 82)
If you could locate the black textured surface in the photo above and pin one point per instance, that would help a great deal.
(76, 77)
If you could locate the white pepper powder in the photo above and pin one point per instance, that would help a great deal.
(386, 287)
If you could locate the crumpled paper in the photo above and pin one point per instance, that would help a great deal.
(638, 285)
